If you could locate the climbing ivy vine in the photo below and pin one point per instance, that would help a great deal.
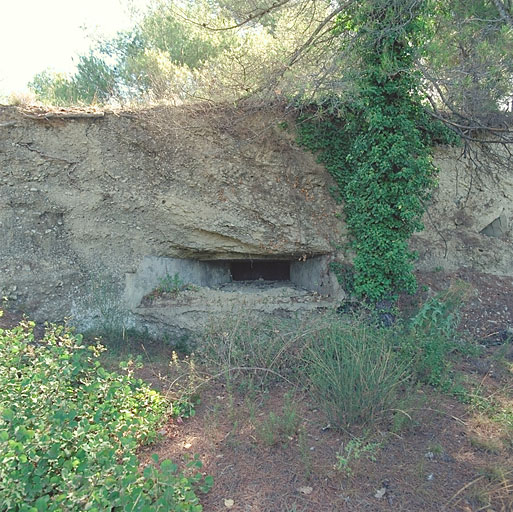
(378, 147)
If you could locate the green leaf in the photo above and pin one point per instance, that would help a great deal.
(8, 414)
(168, 466)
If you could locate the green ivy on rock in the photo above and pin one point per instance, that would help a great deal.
(378, 148)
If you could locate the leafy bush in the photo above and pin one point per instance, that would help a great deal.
(378, 148)
(69, 428)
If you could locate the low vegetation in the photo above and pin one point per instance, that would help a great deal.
(356, 367)
(69, 430)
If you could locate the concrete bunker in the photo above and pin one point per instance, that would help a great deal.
(256, 270)
(217, 287)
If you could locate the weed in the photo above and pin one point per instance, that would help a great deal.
(352, 451)
(183, 391)
(305, 453)
(436, 449)
(486, 445)
(421, 469)
(110, 316)
(429, 338)
(495, 489)
(232, 440)
(279, 428)
(183, 344)
(495, 473)
(479, 497)
(170, 284)
(495, 411)
(440, 314)
(173, 285)
(404, 419)
(472, 394)
(252, 351)
(504, 354)
(21, 99)
(251, 407)
(212, 417)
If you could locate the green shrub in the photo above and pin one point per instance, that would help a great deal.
(354, 371)
(377, 147)
(430, 336)
(69, 428)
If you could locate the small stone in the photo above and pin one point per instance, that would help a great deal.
(445, 457)
(305, 490)
(380, 493)
(229, 503)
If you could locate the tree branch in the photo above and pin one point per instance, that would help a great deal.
(257, 14)
(297, 54)
(503, 11)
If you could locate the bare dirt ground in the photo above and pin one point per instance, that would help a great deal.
(445, 455)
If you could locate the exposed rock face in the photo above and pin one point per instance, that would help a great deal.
(87, 203)
(469, 221)
(84, 201)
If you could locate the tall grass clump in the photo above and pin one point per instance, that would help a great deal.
(252, 348)
(69, 430)
(353, 371)
(357, 370)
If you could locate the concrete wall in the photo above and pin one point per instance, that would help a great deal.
(314, 274)
(152, 270)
